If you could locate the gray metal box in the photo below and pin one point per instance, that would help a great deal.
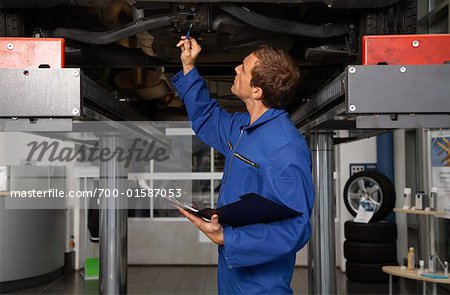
(398, 89)
(40, 92)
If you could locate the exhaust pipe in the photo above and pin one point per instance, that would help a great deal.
(284, 26)
(112, 36)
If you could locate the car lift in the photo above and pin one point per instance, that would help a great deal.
(39, 95)
(403, 83)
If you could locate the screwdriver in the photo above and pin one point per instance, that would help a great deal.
(189, 31)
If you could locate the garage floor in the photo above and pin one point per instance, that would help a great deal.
(202, 280)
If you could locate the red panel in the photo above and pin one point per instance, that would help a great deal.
(406, 49)
(19, 53)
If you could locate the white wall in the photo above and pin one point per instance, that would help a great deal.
(32, 241)
(361, 151)
(2, 148)
(14, 151)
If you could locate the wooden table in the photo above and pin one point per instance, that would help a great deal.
(413, 275)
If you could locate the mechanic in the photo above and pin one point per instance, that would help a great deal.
(264, 154)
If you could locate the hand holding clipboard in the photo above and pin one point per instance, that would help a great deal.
(249, 209)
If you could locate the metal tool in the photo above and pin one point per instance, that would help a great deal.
(188, 34)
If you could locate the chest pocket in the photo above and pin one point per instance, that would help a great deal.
(247, 173)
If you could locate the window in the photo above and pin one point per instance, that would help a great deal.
(203, 180)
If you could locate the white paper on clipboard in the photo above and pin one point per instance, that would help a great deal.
(180, 204)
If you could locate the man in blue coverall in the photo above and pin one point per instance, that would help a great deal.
(264, 154)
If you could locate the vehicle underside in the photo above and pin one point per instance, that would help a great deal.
(129, 46)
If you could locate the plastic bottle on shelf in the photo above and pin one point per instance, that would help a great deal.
(421, 267)
(433, 198)
(407, 198)
(420, 196)
(411, 259)
(432, 264)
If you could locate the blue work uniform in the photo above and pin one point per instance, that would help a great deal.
(269, 157)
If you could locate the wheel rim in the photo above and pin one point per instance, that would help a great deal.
(364, 188)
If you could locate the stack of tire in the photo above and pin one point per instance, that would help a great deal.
(369, 247)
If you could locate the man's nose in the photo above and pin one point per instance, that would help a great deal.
(237, 69)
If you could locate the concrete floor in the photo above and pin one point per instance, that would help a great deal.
(202, 280)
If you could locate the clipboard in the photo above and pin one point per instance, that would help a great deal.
(249, 209)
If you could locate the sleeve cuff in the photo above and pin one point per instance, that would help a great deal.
(182, 82)
(177, 77)
(227, 252)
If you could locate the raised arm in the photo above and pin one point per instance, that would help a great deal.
(212, 124)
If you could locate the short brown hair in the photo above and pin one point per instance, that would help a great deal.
(277, 74)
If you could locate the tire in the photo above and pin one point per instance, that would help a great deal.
(368, 272)
(409, 16)
(370, 252)
(373, 185)
(375, 232)
(11, 24)
(398, 19)
(378, 23)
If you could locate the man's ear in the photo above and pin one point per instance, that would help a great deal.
(257, 93)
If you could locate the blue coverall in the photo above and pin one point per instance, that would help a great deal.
(269, 157)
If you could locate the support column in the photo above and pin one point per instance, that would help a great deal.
(321, 248)
(113, 221)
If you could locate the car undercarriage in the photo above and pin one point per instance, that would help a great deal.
(129, 46)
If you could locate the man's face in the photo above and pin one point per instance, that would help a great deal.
(241, 87)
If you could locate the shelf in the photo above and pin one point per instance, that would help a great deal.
(420, 212)
(412, 274)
